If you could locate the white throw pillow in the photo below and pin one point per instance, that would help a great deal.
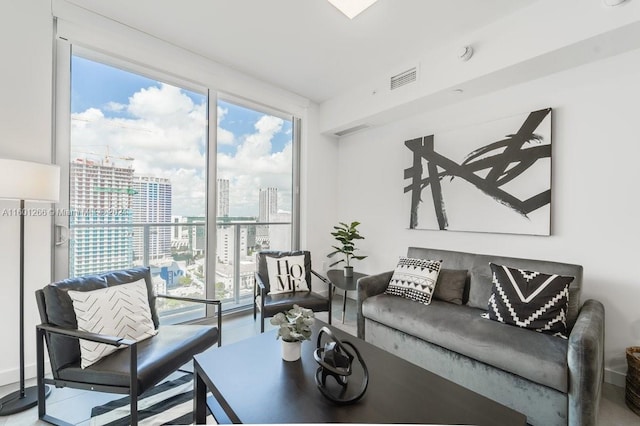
(287, 274)
(121, 311)
(414, 279)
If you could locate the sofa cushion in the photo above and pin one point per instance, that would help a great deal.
(529, 299)
(414, 279)
(538, 357)
(450, 285)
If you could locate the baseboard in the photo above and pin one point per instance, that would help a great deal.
(614, 377)
(12, 376)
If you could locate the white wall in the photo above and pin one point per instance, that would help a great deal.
(318, 201)
(25, 133)
(595, 173)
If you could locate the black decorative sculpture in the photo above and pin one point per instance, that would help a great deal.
(337, 361)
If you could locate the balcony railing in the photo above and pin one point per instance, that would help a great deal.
(176, 253)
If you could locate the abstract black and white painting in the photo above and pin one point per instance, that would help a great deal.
(492, 177)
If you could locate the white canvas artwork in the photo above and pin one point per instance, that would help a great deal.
(493, 177)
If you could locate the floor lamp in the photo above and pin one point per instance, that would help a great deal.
(25, 181)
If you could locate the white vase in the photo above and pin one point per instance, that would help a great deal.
(291, 350)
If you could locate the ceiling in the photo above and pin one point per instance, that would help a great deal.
(306, 46)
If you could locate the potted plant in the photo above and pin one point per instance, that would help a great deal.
(294, 328)
(346, 234)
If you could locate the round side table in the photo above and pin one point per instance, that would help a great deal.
(337, 278)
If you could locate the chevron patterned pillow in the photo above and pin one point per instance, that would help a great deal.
(120, 310)
(529, 299)
(414, 279)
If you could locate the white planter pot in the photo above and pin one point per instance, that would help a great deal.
(291, 350)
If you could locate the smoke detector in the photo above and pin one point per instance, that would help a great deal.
(465, 53)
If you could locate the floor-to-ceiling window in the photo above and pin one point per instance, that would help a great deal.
(255, 197)
(138, 179)
(151, 183)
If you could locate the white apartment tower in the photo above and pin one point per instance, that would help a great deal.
(223, 197)
(151, 203)
(100, 194)
(268, 209)
(268, 204)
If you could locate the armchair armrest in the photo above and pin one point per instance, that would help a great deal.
(328, 283)
(218, 303)
(85, 335)
(132, 347)
(371, 285)
(259, 284)
(585, 359)
(323, 279)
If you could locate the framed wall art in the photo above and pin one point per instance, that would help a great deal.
(491, 177)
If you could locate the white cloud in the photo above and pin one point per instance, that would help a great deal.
(165, 132)
(254, 166)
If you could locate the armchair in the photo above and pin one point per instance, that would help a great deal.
(133, 370)
(269, 301)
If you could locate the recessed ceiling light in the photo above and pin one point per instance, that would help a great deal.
(457, 91)
(352, 8)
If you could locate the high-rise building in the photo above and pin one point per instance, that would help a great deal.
(151, 203)
(268, 204)
(100, 194)
(267, 209)
(223, 197)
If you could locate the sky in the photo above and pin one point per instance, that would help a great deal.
(164, 127)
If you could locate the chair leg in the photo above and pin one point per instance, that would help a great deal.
(261, 322)
(134, 408)
(133, 383)
(42, 408)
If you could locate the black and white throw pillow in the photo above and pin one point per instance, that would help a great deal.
(414, 279)
(287, 274)
(121, 311)
(529, 299)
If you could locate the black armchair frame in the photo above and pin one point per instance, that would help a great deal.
(43, 331)
(261, 289)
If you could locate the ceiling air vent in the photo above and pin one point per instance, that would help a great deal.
(351, 130)
(404, 78)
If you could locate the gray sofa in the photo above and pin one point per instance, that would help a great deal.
(551, 380)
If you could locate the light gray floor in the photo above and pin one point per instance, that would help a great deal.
(75, 406)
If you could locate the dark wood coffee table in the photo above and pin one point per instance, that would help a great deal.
(251, 384)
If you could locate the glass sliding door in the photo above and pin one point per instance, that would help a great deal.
(138, 180)
(255, 194)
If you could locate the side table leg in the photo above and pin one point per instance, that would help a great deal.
(199, 401)
(344, 305)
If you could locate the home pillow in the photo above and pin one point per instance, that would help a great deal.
(529, 299)
(414, 279)
(450, 285)
(286, 274)
(120, 310)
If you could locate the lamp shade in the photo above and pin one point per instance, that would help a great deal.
(26, 180)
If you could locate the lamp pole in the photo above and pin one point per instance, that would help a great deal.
(23, 180)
